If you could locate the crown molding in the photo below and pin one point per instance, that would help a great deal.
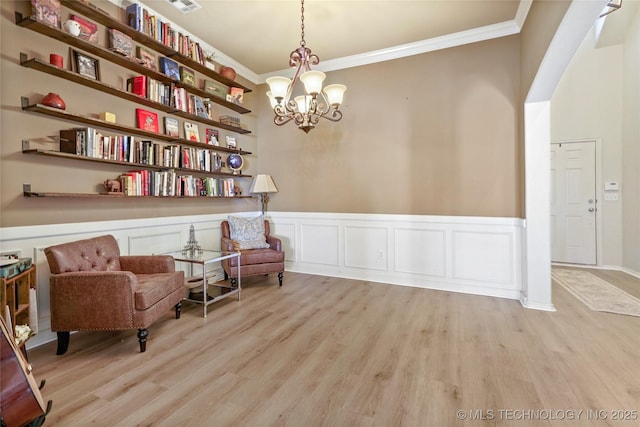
(415, 48)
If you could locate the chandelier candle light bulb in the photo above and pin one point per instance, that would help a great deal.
(307, 109)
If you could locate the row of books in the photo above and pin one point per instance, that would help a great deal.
(141, 20)
(171, 95)
(124, 148)
(168, 183)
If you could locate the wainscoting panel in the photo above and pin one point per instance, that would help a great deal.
(480, 256)
(286, 232)
(421, 251)
(319, 244)
(463, 254)
(366, 247)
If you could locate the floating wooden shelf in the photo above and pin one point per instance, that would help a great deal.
(129, 130)
(52, 153)
(121, 196)
(40, 65)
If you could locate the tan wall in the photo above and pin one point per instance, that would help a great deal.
(60, 175)
(430, 134)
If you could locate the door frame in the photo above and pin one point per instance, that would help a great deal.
(599, 195)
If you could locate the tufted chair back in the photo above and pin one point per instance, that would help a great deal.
(97, 254)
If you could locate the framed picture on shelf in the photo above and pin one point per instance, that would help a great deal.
(187, 76)
(85, 65)
(147, 120)
(215, 88)
(88, 29)
(47, 11)
(191, 132)
(231, 142)
(235, 95)
(212, 136)
(170, 68)
(147, 58)
(120, 43)
(201, 109)
(171, 127)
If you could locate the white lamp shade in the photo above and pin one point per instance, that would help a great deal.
(263, 184)
(272, 100)
(335, 94)
(312, 81)
(303, 102)
(278, 86)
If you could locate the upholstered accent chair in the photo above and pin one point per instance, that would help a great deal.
(93, 287)
(261, 253)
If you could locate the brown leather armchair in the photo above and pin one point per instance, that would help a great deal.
(93, 287)
(253, 262)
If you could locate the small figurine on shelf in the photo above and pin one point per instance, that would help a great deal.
(113, 186)
(192, 249)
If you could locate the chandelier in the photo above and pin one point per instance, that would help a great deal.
(305, 110)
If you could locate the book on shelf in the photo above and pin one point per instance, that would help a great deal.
(200, 109)
(120, 43)
(88, 29)
(147, 120)
(212, 136)
(171, 127)
(191, 132)
(133, 16)
(187, 76)
(47, 11)
(170, 68)
(73, 141)
(137, 85)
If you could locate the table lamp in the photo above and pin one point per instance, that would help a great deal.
(263, 185)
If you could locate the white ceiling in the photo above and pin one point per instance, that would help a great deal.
(257, 36)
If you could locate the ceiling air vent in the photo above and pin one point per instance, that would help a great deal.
(185, 6)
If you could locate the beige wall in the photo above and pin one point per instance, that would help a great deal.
(60, 175)
(433, 134)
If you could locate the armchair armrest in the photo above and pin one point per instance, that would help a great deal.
(92, 300)
(226, 244)
(275, 243)
(147, 264)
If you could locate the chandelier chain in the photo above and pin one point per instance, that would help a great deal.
(302, 42)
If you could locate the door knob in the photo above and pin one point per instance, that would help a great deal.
(591, 209)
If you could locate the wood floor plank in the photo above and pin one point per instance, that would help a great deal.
(323, 351)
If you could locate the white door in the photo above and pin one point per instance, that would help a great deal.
(573, 202)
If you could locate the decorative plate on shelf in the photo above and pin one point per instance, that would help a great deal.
(235, 162)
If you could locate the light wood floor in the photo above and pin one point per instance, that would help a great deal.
(332, 352)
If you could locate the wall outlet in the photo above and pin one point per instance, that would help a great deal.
(381, 254)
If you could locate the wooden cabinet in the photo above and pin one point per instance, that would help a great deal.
(92, 13)
(14, 293)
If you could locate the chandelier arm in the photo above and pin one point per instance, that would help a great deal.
(282, 120)
(334, 116)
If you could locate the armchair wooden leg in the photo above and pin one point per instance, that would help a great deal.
(226, 276)
(63, 342)
(280, 278)
(142, 339)
(178, 309)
